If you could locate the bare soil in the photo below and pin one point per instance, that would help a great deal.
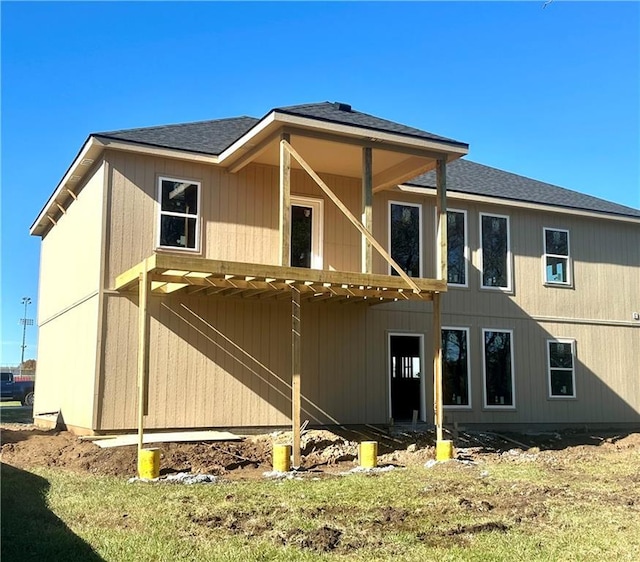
(324, 452)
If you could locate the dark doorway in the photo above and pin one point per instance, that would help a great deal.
(301, 232)
(405, 371)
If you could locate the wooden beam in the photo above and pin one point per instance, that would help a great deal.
(367, 208)
(285, 201)
(266, 273)
(441, 213)
(437, 365)
(401, 172)
(296, 366)
(347, 213)
(251, 154)
(143, 352)
(133, 274)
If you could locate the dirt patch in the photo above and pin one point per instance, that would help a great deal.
(25, 446)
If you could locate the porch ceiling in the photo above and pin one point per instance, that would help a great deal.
(172, 274)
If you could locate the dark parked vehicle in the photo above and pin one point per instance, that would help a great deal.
(16, 388)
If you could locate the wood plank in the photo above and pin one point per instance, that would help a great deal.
(285, 202)
(296, 365)
(108, 441)
(437, 365)
(298, 274)
(441, 212)
(407, 169)
(367, 208)
(131, 276)
(143, 352)
(349, 215)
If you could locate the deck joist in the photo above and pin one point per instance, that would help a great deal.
(170, 274)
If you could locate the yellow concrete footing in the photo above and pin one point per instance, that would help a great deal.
(444, 450)
(368, 453)
(281, 458)
(149, 463)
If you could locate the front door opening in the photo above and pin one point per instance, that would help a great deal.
(405, 371)
(306, 232)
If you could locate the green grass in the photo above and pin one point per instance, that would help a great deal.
(14, 412)
(583, 510)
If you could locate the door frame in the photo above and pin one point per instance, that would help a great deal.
(422, 414)
(317, 226)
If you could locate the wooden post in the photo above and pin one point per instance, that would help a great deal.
(367, 210)
(441, 210)
(437, 365)
(295, 372)
(285, 202)
(143, 352)
(441, 273)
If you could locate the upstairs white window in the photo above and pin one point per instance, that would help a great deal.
(179, 220)
(457, 249)
(562, 376)
(405, 235)
(556, 257)
(495, 252)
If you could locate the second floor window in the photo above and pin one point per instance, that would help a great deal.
(179, 221)
(495, 252)
(457, 247)
(556, 256)
(405, 233)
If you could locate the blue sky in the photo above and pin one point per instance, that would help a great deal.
(548, 93)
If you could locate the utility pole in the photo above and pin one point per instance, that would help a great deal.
(25, 322)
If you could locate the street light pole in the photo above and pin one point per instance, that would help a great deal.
(25, 322)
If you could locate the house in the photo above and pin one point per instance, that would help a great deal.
(321, 264)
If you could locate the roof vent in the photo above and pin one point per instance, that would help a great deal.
(342, 106)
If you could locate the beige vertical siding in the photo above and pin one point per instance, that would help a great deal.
(239, 212)
(68, 307)
(66, 365)
(70, 252)
(226, 363)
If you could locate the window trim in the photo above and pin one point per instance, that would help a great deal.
(420, 232)
(317, 228)
(466, 252)
(509, 287)
(467, 330)
(572, 342)
(198, 216)
(545, 255)
(487, 406)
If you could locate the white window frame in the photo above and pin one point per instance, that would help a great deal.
(317, 227)
(470, 405)
(545, 255)
(423, 384)
(509, 260)
(572, 343)
(161, 213)
(466, 254)
(484, 372)
(420, 230)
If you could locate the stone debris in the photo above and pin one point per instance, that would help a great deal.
(372, 470)
(178, 478)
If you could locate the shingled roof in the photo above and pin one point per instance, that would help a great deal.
(212, 137)
(477, 179)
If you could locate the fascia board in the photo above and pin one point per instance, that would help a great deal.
(518, 204)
